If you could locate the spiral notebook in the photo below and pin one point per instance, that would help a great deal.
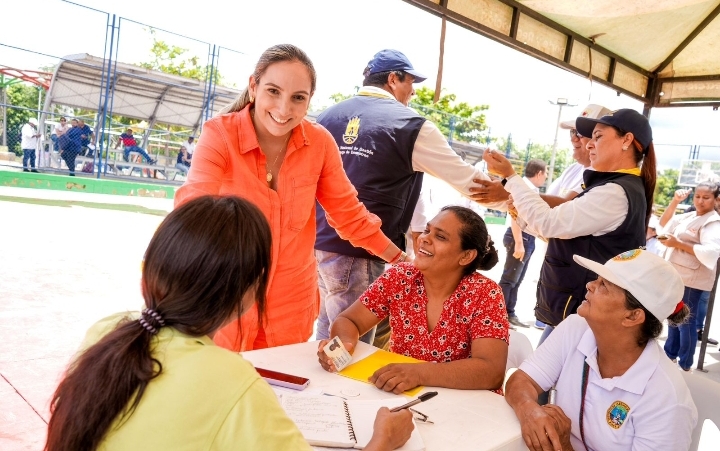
(332, 421)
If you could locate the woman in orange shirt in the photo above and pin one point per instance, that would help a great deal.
(264, 150)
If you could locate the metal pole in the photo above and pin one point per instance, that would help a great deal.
(4, 130)
(554, 148)
(452, 130)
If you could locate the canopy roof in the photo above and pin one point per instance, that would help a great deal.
(661, 52)
(136, 92)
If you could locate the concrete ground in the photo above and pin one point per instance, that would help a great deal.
(69, 259)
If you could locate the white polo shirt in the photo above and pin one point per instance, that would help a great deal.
(649, 408)
(570, 180)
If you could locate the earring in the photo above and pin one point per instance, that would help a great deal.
(625, 148)
(252, 99)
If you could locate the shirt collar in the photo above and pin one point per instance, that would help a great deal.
(374, 91)
(248, 138)
(632, 171)
(635, 378)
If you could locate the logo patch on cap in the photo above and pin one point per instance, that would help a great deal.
(352, 130)
(627, 255)
(616, 414)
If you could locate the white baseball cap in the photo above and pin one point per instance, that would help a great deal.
(648, 277)
(591, 111)
(33, 121)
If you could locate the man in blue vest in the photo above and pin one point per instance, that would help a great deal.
(385, 147)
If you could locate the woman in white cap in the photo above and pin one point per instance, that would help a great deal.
(609, 216)
(615, 387)
(693, 242)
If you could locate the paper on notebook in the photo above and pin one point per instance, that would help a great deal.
(331, 421)
(363, 369)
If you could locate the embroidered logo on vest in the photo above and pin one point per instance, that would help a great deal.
(616, 414)
(351, 132)
(628, 255)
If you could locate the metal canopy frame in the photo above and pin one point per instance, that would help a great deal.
(137, 92)
(614, 71)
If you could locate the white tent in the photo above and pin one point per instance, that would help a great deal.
(661, 52)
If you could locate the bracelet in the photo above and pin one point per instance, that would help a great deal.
(401, 257)
(397, 256)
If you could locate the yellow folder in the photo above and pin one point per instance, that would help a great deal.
(363, 369)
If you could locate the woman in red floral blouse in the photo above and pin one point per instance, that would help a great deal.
(441, 310)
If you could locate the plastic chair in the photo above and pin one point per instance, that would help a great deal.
(706, 396)
(519, 349)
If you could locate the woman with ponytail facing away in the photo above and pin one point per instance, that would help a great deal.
(156, 380)
(441, 310)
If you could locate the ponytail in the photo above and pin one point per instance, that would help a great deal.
(238, 104)
(100, 386)
(648, 173)
(204, 259)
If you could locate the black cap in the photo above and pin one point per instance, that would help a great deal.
(388, 60)
(624, 119)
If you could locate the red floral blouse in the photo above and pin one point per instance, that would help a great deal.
(475, 310)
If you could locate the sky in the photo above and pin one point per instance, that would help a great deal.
(341, 36)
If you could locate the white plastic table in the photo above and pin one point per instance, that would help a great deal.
(477, 420)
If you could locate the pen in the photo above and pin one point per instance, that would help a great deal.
(421, 398)
(551, 395)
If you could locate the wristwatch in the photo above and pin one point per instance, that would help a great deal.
(505, 180)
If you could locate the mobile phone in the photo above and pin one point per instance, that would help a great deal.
(283, 379)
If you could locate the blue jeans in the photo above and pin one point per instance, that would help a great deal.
(28, 156)
(514, 270)
(682, 339)
(342, 280)
(546, 333)
(702, 310)
(128, 149)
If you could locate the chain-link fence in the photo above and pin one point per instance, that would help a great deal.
(113, 97)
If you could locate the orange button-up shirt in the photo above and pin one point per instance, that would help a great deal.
(228, 161)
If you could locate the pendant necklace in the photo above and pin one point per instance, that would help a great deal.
(269, 175)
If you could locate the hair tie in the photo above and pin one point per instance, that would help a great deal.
(151, 320)
(678, 307)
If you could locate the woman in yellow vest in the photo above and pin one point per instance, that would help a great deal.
(693, 247)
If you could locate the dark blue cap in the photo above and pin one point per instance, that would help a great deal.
(625, 119)
(388, 60)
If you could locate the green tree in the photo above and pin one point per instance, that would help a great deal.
(467, 121)
(665, 186)
(25, 96)
(173, 59)
(563, 157)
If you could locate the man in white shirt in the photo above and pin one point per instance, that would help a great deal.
(519, 246)
(189, 145)
(569, 184)
(28, 143)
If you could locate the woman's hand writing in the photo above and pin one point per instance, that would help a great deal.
(397, 377)
(391, 429)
